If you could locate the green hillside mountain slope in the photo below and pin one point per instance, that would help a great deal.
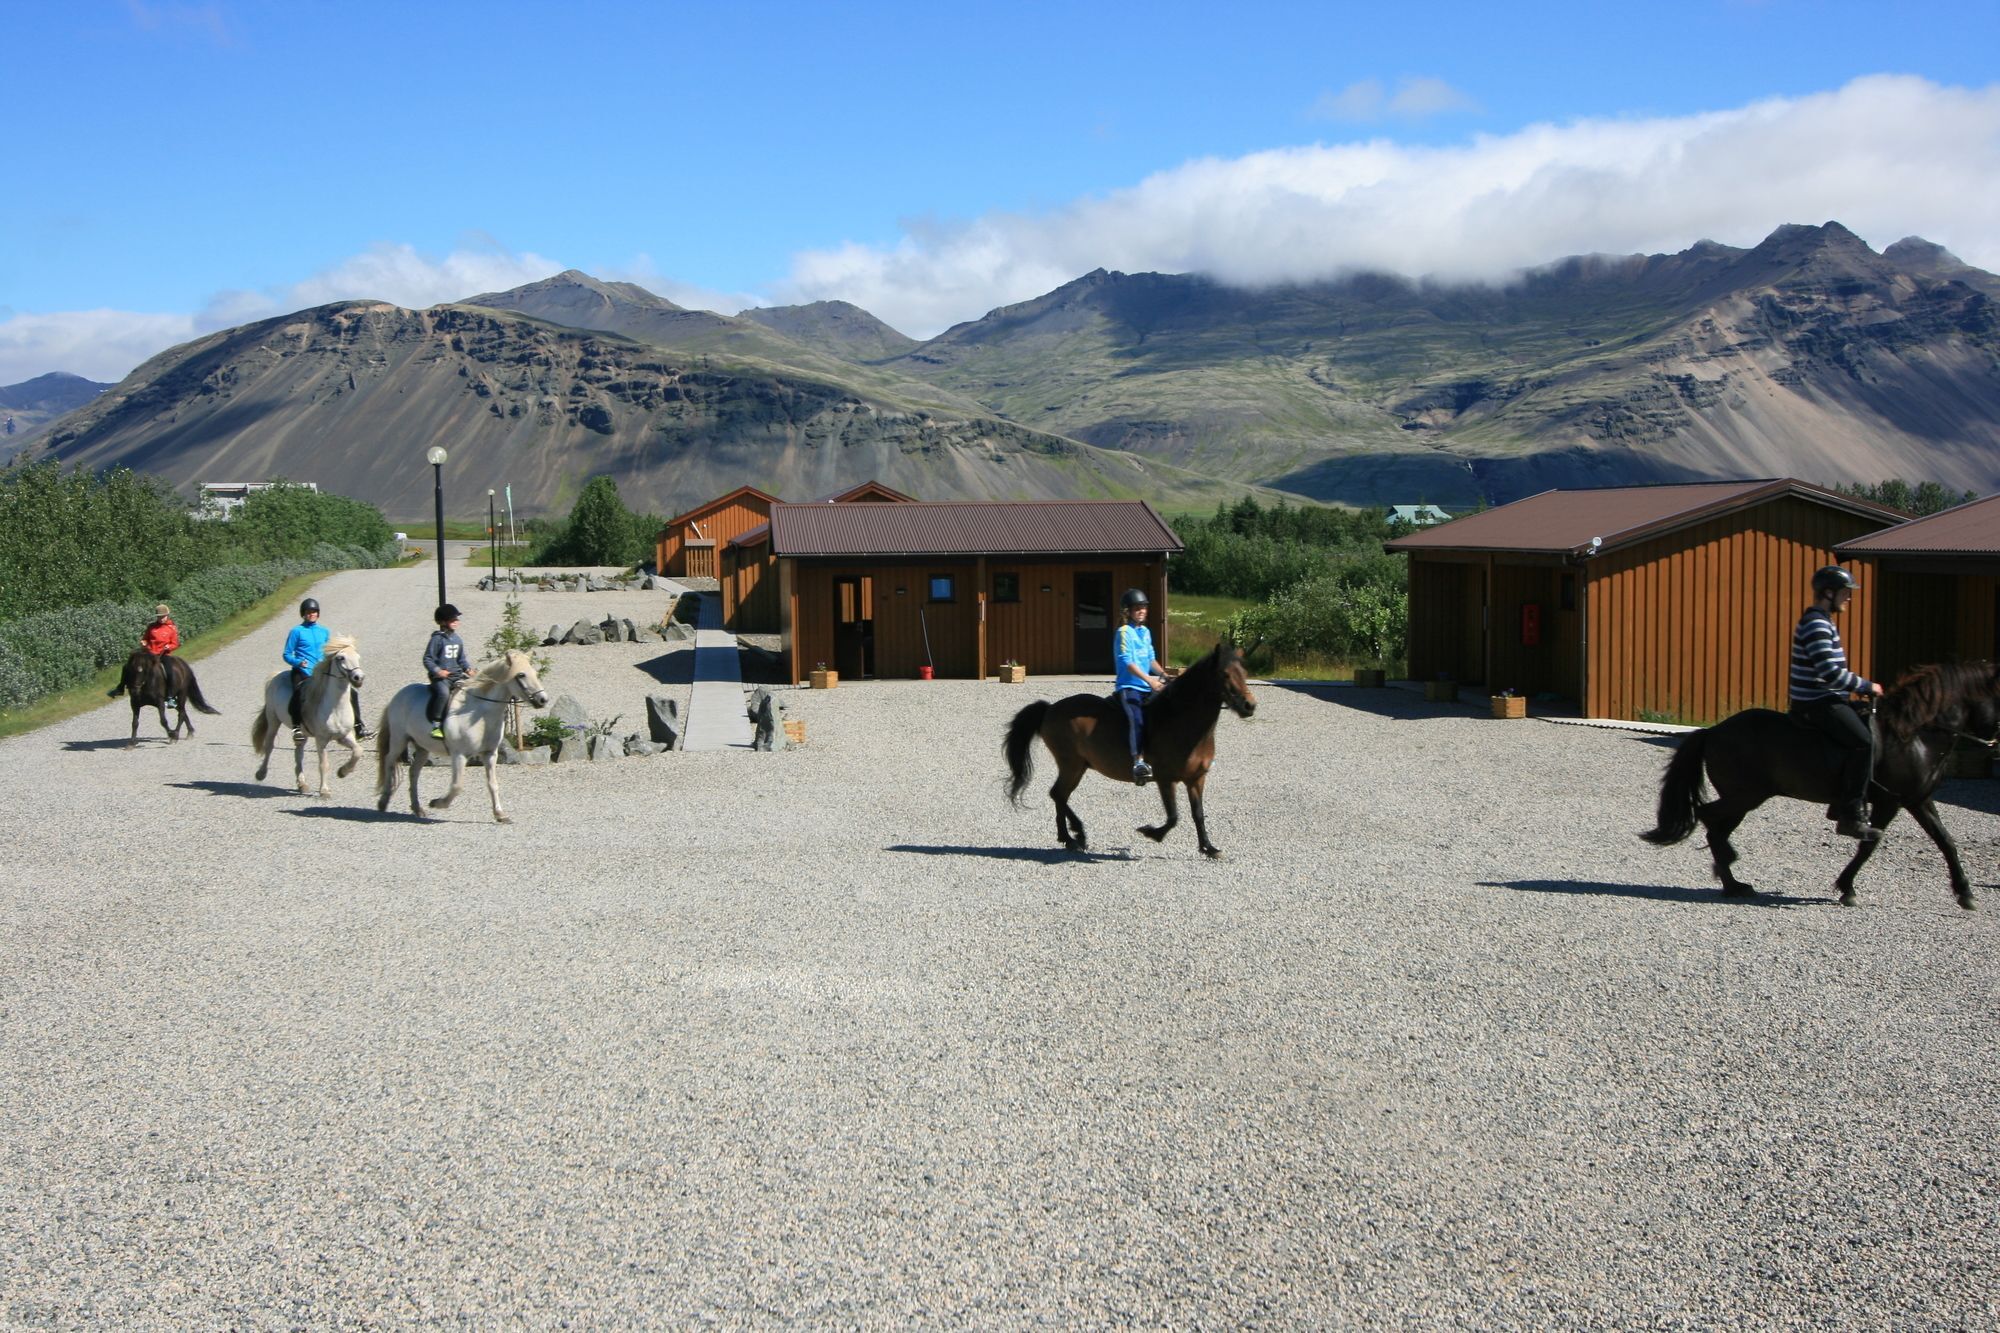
(27, 408)
(1808, 355)
(836, 327)
(351, 395)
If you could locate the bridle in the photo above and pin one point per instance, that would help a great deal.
(514, 684)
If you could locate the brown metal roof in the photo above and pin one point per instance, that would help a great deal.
(1580, 522)
(853, 493)
(1972, 528)
(971, 527)
(718, 502)
(756, 536)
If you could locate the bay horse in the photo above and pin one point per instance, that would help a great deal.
(1086, 731)
(324, 713)
(473, 729)
(150, 682)
(1760, 753)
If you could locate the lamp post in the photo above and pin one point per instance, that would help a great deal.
(492, 536)
(436, 457)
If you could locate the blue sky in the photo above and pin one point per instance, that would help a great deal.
(177, 167)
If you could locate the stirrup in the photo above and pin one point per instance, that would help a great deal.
(1142, 772)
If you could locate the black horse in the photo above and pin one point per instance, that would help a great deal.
(151, 681)
(1758, 754)
(1087, 731)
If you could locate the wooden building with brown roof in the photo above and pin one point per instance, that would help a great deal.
(749, 567)
(1672, 601)
(1935, 585)
(874, 589)
(690, 545)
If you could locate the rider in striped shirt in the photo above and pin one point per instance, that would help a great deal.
(1821, 688)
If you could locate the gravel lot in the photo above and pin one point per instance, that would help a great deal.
(839, 1037)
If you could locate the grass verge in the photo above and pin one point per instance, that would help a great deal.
(73, 703)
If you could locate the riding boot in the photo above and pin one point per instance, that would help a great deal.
(1142, 772)
(1854, 824)
(361, 732)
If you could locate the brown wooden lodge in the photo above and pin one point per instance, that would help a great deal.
(1936, 585)
(872, 588)
(1673, 601)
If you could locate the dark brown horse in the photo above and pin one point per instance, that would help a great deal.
(1758, 754)
(151, 681)
(1087, 731)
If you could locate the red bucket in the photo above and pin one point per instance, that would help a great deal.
(924, 673)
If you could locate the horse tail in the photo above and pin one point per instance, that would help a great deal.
(385, 755)
(1019, 750)
(193, 694)
(260, 729)
(1680, 793)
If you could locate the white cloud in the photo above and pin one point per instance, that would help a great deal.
(96, 344)
(1888, 156)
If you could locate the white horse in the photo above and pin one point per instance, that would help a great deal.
(473, 727)
(324, 712)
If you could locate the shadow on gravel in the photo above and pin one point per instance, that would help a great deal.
(1047, 856)
(673, 667)
(115, 743)
(358, 814)
(1657, 892)
(256, 791)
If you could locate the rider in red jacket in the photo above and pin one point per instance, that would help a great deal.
(162, 636)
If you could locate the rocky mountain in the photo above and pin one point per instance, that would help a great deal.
(351, 395)
(27, 408)
(846, 331)
(1808, 355)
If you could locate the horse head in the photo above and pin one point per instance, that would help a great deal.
(342, 660)
(1235, 680)
(522, 681)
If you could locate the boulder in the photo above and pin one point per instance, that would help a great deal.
(555, 636)
(583, 632)
(764, 715)
(536, 757)
(675, 632)
(611, 630)
(630, 630)
(637, 747)
(663, 717)
(569, 712)
(600, 748)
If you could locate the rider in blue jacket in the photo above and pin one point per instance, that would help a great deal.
(1139, 674)
(304, 646)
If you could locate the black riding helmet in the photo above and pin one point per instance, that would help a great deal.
(1133, 599)
(1832, 578)
(444, 613)
(307, 607)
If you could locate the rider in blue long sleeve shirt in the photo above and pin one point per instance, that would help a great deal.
(1139, 674)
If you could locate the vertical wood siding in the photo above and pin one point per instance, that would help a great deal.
(749, 590)
(722, 522)
(1697, 624)
(1931, 615)
(1037, 631)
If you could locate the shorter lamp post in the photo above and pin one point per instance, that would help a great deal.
(436, 458)
(492, 536)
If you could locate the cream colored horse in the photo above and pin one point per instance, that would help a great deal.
(472, 729)
(324, 712)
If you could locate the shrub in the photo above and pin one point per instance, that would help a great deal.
(1357, 611)
(600, 530)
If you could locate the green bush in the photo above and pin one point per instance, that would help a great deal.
(1246, 550)
(1358, 611)
(600, 530)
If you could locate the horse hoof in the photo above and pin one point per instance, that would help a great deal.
(1156, 834)
(1213, 853)
(503, 819)
(1738, 891)
(1965, 900)
(1847, 900)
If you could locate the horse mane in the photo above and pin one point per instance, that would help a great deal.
(1208, 665)
(333, 649)
(509, 663)
(1924, 692)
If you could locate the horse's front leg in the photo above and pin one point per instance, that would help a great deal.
(353, 755)
(1925, 813)
(457, 783)
(493, 785)
(1195, 786)
(322, 766)
(1158, 832)
(299, 762)
(133, 739)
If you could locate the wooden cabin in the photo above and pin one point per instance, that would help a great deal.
(874, 589)
(749, 568)
(690, 546)
(1673, 602)
(1934, 586)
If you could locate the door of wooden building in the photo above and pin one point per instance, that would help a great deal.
(853, 629)
(1091, 598)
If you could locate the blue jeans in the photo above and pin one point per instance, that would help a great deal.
(1134, 703)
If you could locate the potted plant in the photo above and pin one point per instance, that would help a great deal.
(1506, 703)
(822, 679)
(1443, 690)
(1370, 678)
(1012, 672)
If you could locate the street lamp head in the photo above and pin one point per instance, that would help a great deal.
(436, 456)
(490, 492)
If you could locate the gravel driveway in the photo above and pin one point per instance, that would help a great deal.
(838, 1037)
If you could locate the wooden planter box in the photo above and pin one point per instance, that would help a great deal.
(795, 732)
(1509, 705)
(1012, 675)
(1371, 678)
(822, 679)
(1441, 691)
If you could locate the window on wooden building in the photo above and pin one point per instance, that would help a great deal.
(944, 588)
(1006, 587)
